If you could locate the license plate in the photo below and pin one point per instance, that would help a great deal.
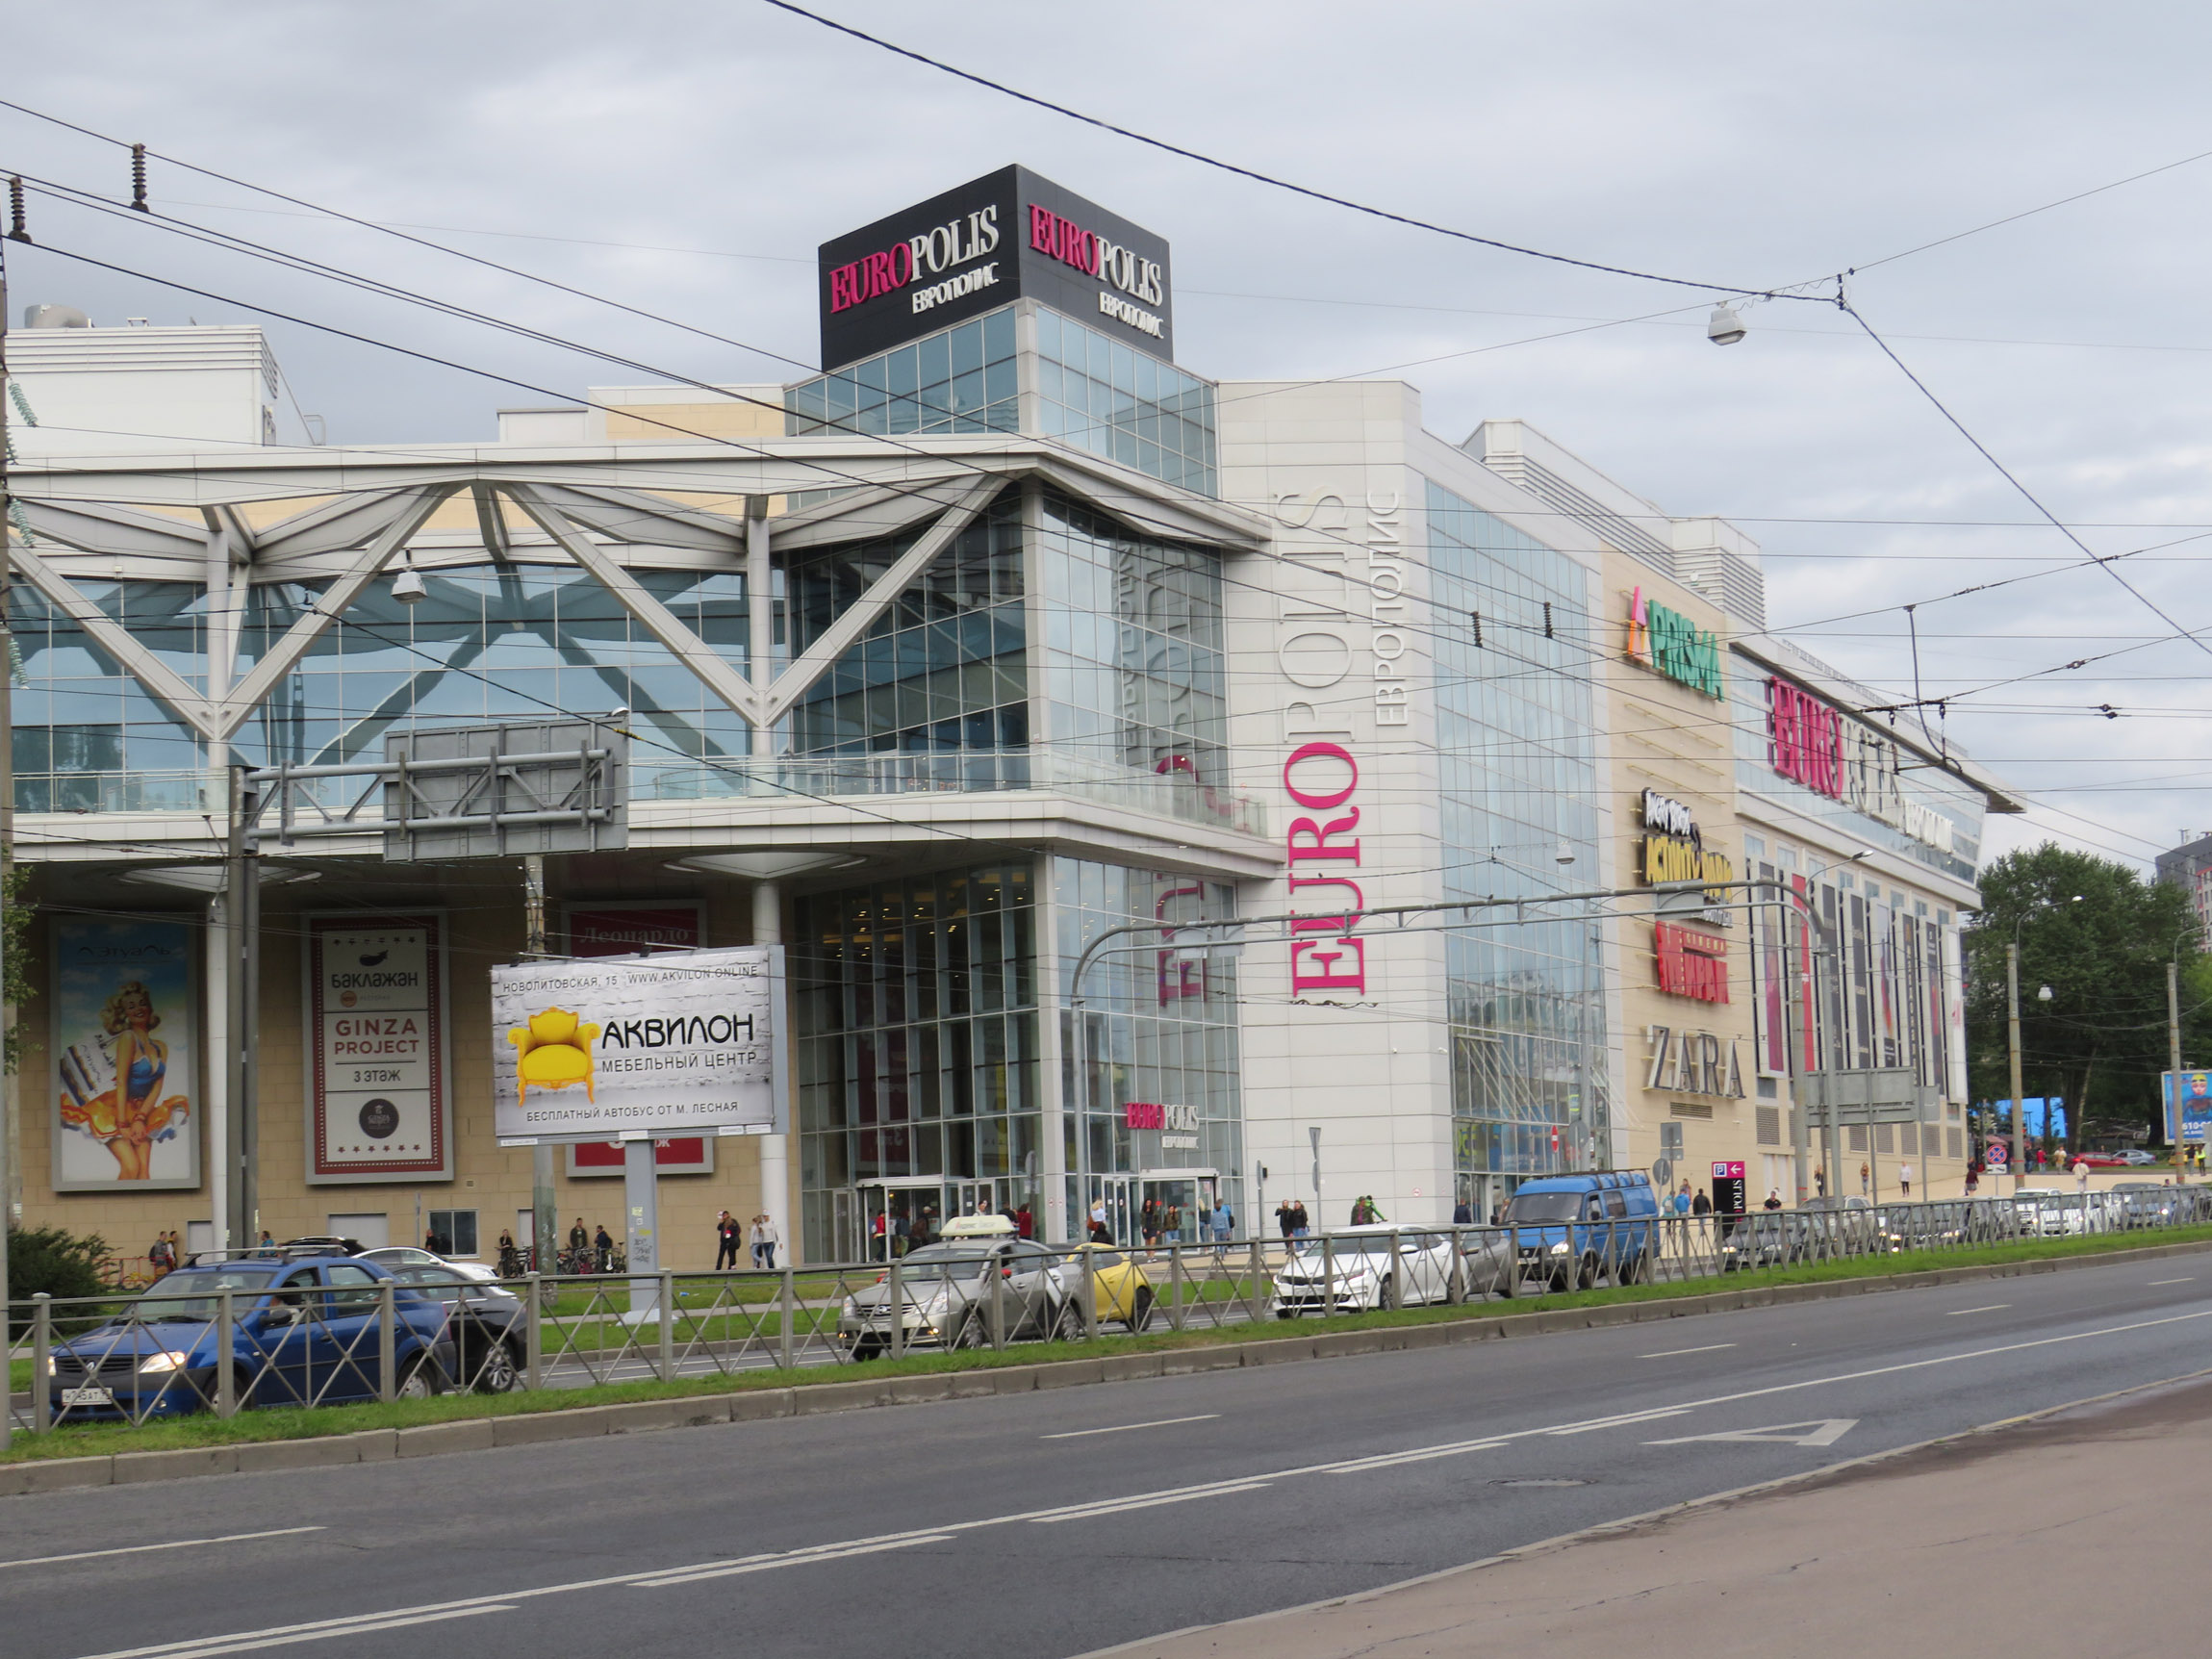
(87, 1397)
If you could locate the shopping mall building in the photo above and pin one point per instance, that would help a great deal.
(991, 671)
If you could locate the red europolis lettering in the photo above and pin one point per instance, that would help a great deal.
(1311, 777)
(1319, 751)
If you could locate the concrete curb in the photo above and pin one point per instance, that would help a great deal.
(821, 1399)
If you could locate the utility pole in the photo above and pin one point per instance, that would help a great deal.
(2174, 1063)
(543, 1255)
(7, 846)
(2012, 1031)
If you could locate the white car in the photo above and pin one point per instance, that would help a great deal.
(410, 1256)
(1356, 1273)
(2056, 1214)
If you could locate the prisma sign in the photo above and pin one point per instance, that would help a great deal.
(973, 249)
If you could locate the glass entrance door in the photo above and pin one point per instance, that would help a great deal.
(1112, 1199)
(1175, 1204)
(895, 1216)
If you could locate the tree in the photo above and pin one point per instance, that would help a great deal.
(2099, 935)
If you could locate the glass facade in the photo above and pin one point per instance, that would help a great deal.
(86, 737)
(1092, 391)
(1517, 756)
(962, 380)
(1921, 786)
(915, 1020)
(946, 668)
(1125, 404)
(1156, 1028)
(1133, 667)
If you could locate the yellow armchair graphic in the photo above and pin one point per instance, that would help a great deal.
(553, 1052)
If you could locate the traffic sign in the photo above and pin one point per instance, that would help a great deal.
(1661, 1172)
(1997, 1154)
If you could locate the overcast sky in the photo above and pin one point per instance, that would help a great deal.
(687, 158)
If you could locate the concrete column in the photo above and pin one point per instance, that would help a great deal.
(774, 1149)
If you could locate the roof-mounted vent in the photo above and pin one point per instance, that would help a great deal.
(55, 317)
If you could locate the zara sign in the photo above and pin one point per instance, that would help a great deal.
(982, 245)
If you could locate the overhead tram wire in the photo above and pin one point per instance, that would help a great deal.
(299, 263)
(1272, 181)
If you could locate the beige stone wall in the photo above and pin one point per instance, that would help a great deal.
(1670, 738)
(484, 926)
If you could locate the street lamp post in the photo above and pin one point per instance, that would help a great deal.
(2012, 1033)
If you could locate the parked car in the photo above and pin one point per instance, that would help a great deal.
(2136, 1157)
(490, 1334)
(1841, 1225)
(946, 1294)
(1123, 1289)
(1763, 1239)
(1355, 1271)
(1572, 1229)
(414, 1255)
(305, 1331)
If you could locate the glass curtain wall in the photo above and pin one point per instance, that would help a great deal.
(943, 673)
(915, 1009)
(1092, 391)
(962, 380)
(87, 738)
(1124, 404)
(1155, 1028)
(1134, 665)
(1517, 760)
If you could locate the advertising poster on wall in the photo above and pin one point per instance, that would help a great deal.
(125, 1055)
(672, 1045)
(2196, 1107)
(630, 931)
(379, 1077)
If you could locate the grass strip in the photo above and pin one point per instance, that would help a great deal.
(292, 1422)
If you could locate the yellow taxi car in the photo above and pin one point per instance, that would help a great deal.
(1120, 1286)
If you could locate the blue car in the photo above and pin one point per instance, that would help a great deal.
(305, 1331)
(1574, 1229)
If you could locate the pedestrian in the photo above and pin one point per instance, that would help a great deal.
(1224, 1222)
(603, 1244)
(901, 1234)
(1973, 1178)
(1820, 1181)
(725, 1242)
(579, 1241)
(2080, 1173)
(1174, 1224)
(1905, 1179)
(1702, 1204)
(1773, 1199)
(1682, 1200)
(1302, 1225)
(158, 1253)
(1462, 1214)
(1283, 1222)
(1864, 1173)
(765, 1239)
(510, 1259)
(1024, 1225)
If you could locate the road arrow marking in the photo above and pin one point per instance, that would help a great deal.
(1813, 1432)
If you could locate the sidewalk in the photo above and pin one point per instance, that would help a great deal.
(1957, 1550)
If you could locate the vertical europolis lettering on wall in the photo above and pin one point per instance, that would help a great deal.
(1341, 648)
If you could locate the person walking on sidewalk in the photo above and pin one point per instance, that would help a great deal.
(725, 1242)
(2080, 1174)
(1905, 1179)
(765, 1239)
(604, 1243)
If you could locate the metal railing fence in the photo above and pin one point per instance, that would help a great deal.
(135, 1359)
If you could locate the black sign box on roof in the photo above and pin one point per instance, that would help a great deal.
(982, 245)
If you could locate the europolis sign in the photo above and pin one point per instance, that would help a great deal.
(994, 239)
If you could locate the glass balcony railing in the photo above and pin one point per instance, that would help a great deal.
(949, 772)
(1168, 794)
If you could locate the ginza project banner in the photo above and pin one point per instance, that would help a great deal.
(379, 1077)
(664, 1045)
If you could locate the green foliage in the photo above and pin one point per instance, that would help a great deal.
(55, 1262)
(2100, 1041)
(15, 988)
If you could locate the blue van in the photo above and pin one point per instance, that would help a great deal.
(1573, 1229)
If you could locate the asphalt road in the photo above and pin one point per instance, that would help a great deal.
(1059, 1522)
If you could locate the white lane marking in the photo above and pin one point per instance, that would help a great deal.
(171, 1543)
(1616, 1422)
(209, 1645)
(1812, 1431)
(1992, 1308)
(1124, 1428)
(2185, 1279)
(1153, 1502)
(797, 1557)
(1675, 1353)
(213, 1646)
(1391, 1459)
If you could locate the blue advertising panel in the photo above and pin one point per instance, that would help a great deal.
(2196, 1107)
